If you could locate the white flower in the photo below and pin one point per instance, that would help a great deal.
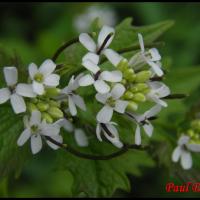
(80, 137)
(15, 92)
(110, 132)
(112, 103)
(151, 57)
(43, 76)
(73, 99)
(182, 151)
(98, 78)
(35, 129)
(158, 90)
(142, 120)
(88, 42)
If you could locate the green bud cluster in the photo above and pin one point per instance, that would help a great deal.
(194, 131)
(135, 84)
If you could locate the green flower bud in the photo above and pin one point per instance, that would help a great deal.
(131, 78)
(54, 103)
(55, 112)
(31, 107)
(123, 81)
(52, 92)
(139, 97)
(141, 86)
(191, 133)
(128, 95)
(42, 106)
(134, 89)
(128, 73)
(145, 91)
(47, 117)
(142, 76)
(122, 65)
(34, 100)
(132, 106)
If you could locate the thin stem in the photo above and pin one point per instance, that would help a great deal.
(176, 96)
(120, 152)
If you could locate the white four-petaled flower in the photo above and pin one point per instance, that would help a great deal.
(112, 103)
(15, 92)
(36, 129)
(182, 151)
(43, 76)
(73, 99)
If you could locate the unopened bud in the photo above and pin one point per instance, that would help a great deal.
(142, 76)
(42, 106)
(31, 107)
(139, 97)
(122, 65)
(52, 92)
(128, 95)
(55, 112)
(132, 106)
(47, 117)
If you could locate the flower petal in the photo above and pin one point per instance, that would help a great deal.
(112, 56)
(92, 57)
(38, 88)
(113, 76)
(183, 140)
(155, 54)
(141, 42)
(11, 75)
(186, 160)
(156, 68)
(50, 129)
(193, 147)
(176, 154)
(47, 67)
(98, 132)
(32, 69)
(52, 80)
(25, 90)
(87, 42)
(105, 114)
(120, 106)
(105, 31)
(148, 128)
(17, 103)
(67, 125)
(86, 80)
(102, 98)
(78, 100)
(25, 135)
(35, 118)
(36, 143)
(57, 138)
(91, 66)
(157, 100)
(4, 95)
(153, 111)
(72, 107)
(101, 86)
(117, 91)
(137, 135)
(81, 138)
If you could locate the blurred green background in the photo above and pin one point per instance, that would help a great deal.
(35, 30)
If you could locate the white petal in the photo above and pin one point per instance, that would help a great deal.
(141, 42)
(176, 154)
(159, 89)
(117, 91)
(101, 86)
(98, 132)
(25, 90)
(4, 95)
(113, 76)
(47, 67)
(38, 88)
(36, 143)
(105, 31)
(81, 138)
(155, 54)
(193, 147)
(67, 125)
(78, 100)
(186, 160)
(25, 135)
(35, 118)
(32, 69)
(11, 75)
(153, 111)
(148, 128)
(183, 140)
(113, 56)
(52, 80)
(157, 100)
(50, 129)
(87, 42)
(57, 138)
(91, 56)
(17, 103)
(120, 106)
(102, 97)
(156, 68)
(72, 107)
(91, 66)
(86, 80)
(105, 114)
(137, 135)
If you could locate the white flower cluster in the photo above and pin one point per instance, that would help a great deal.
(47, 108)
